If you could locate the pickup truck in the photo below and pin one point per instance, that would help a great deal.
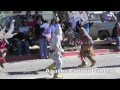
(100, 29)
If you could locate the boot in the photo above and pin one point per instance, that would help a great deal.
(92, 61)
(57, 75)
(1, 64)
(51, 67)
(83, 64)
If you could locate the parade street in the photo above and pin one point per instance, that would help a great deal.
(107, 67)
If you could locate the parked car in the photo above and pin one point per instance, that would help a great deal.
(98, 28)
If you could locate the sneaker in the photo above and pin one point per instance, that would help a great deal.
(51, 67)
(56, 75)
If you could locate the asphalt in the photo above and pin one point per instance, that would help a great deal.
(107, 67)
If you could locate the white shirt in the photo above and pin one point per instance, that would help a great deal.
(108, 16)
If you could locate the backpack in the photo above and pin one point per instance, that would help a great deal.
(2, 44)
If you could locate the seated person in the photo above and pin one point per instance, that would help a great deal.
(21, 43)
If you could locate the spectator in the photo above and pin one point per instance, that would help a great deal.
(70, 34)
(37, 29)
(64, 24)
(43, 41)
(118, 17)
(38, 16)
(53, 25)
(108, 16)
(116, 34)
(28, 13)
(31, 23)
(21, 43)
(18, 21)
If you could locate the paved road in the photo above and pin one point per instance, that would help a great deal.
(107, 67)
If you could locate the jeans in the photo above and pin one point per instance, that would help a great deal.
(117, 41)
(43, 48)
(22, 45)
(86, 26)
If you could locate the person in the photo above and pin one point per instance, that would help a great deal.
(86, 46)
(70, 34)
(85, 20)
(108, 16)
(53, 25)
(56, 52)
(43, 42)
(116, 34)
(26, 16)
(21, 43)
(3, 52)
(18, 21)
(37, 29)
(118, 16)
(64, 23)
(38, 16)
(31, 23)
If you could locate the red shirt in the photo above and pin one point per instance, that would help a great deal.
(31, 23)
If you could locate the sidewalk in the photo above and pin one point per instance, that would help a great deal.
(71, 53)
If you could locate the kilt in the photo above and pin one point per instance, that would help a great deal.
(87, 50)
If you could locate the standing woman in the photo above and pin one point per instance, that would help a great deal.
(86, 45)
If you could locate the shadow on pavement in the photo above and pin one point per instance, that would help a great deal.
(64, 68)
(19, 73)
(43, 78)
(36, 72)
(112, 66)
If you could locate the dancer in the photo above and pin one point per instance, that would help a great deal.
(3, 52)
(56, 52)
(3, 42)
(86, 46)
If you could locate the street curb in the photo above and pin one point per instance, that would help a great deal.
(97, 52)
(65, 54)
